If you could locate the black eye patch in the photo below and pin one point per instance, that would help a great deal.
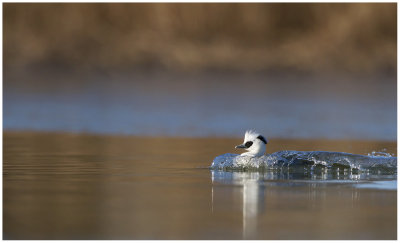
(248, 144)
(262, 139)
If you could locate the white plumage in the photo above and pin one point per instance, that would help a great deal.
(254, 143)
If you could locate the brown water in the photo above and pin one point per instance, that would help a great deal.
(71, 186)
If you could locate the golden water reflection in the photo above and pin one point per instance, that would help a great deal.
(77, 186)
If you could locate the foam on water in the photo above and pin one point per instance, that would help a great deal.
(308, 160)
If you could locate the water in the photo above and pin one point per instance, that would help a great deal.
(77, 186)
(86, 157)
(203, 104)
(309, 160)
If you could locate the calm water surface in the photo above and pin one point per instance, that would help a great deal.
(69, 186)
(202, 105)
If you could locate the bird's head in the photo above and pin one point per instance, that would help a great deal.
(254, 143)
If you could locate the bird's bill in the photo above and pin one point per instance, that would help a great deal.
(240, 146)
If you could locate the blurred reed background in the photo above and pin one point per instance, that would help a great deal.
(302, 70)
(356, 37)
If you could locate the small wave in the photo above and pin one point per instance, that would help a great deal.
(375, 162)
(380, 154)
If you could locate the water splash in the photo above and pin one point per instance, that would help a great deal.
(382, 153)
(309, 160)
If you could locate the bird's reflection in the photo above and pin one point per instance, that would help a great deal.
(248, 191)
